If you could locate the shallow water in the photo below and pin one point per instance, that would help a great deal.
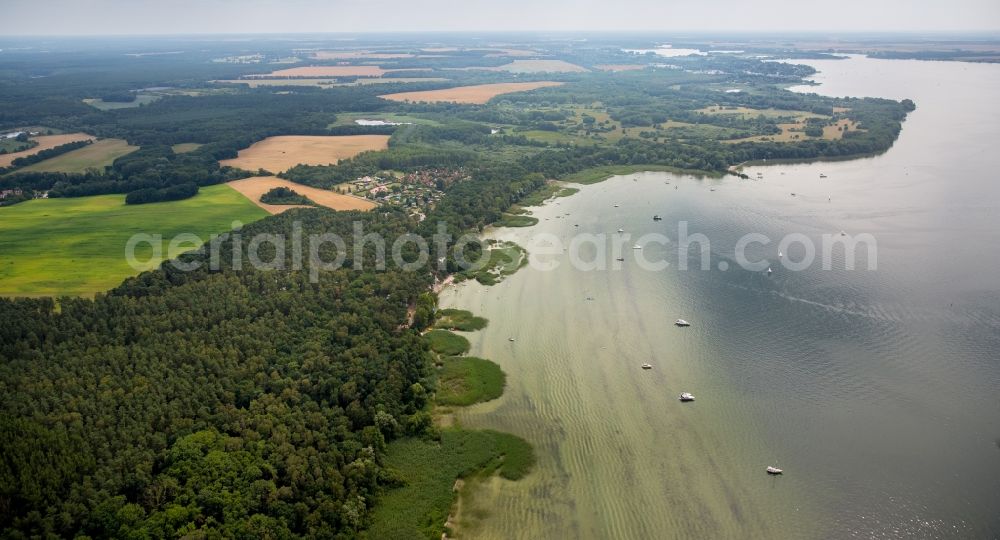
(876, 390)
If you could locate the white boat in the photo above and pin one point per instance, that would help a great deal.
(620, 259)
(779, 255)
(510, 339)
(774, 470)
(621, 230)
(616, 206)
(769, 270)
(686, 397)
(682, 322)
(637, 246)
(842, 233)
(647, 366)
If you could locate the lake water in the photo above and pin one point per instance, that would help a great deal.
(878, 391)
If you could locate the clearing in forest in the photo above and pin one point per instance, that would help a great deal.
(540, 66)
(278, 154)
(477, 94)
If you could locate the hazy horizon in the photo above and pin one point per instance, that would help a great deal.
(122, 17)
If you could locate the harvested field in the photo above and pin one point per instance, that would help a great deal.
(620, 67)
(278, 154)
(477, 94)
(93, 156)
(253, 188)
(353, 55)
(45, 142)
(327, 83)
(511, 52)
(328, 71)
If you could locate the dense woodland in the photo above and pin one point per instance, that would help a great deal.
(249, 403)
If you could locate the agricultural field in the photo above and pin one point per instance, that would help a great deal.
(77, 246)
(98, 155)
(45, 142)
(184, 148)
(348, 119)
(358, 55)
(334, 71)
(746, 112)
(278, 154)
(540, 66)
(477, 94)
(141, 99)
(328, 83)
(621, 67)
(253, 188)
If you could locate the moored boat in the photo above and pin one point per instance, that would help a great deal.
(682, 322)
(686, 397)
(774, 470)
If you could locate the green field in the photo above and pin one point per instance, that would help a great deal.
(77, 246)
(184, 148)
(347, 119)
(97, 155)
(141, 99)
(14, 145)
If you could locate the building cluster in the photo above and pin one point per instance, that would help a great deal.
(417, 191)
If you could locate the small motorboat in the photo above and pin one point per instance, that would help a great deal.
(842, 233)
(769, 271)
(682, 323)
(616, 206)
(647, 366)
(576, 224)
(779, 255)
(821, 175)
(774, 470)
(657, 218)
(711, 189)
(637, 246)
(621, 230)
(793, 194)
(620, 259)
(510, 339)
(686, 397)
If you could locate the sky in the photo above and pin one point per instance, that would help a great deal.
(140, 17)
